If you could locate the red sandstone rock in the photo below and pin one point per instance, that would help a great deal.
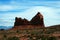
(37, 19)
(20, 21)
(26, 22)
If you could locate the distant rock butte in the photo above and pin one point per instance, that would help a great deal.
(37, 20)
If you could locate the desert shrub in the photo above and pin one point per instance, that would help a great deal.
(32, 34)
(52, 38)
(27, 32)
(43, 38)
(38, 37)
(13, 38)
(31, 38)
(17, 31)
(4, 36)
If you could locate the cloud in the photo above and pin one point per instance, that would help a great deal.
(11, 8)
(5, 7)
(24, 4)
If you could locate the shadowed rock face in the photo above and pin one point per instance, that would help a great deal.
(36, 20)
(20, 21)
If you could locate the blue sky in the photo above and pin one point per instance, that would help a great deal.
(9, 9)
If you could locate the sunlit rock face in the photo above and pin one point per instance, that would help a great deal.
(36, 21)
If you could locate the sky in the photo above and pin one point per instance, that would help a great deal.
(9, 9)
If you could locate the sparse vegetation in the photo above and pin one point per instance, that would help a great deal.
(4, 36)
(52, 38)
(13, 38)
(17, 31)
(31, 34)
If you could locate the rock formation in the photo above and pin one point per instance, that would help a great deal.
(20, 21)
(37, 20)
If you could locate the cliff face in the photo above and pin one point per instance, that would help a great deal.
(36, 20)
